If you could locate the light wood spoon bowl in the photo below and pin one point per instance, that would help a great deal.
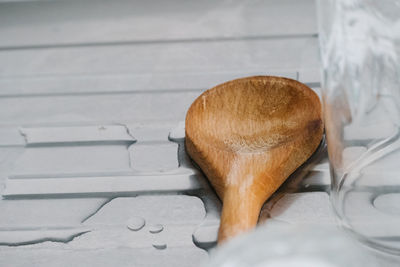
(247, 136)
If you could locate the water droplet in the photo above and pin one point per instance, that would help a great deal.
(135, 223)
(156, 228)
(159, 245)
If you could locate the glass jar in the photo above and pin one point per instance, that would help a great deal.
(360, 55)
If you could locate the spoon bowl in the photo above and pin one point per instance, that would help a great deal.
(248, 135)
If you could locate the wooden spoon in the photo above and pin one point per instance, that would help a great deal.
(248, 135)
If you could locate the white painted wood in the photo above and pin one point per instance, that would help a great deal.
(120, 256)
(316, 178)
(71, 134)
(284, 54)
(66, 22)
(154, 209)
(158, 157)
(24, 237)
(134, 82)
(61, 160)
(301, 208)
(33, 214)
(109, 186)
(311, 76)
(95, 109)
(11, 136)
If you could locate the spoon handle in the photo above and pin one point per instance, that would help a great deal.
(240, 212)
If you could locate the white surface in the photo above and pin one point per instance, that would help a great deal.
(154, 209)
(61, 22)
(161, 157)
(35, 213)
(111, 133)
(204, 57)
(100, 186)
(27, 237)
(61, 160)
(301, 208)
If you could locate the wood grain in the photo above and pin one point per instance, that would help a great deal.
(248, 135)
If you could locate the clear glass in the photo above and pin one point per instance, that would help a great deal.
(360, 54)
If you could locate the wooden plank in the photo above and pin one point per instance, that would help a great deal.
(95, 109)
(49, 23)
(99, 186)
(135, 82)
(287, 54)
(73, 134)
(72, 159)
(20, 237)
